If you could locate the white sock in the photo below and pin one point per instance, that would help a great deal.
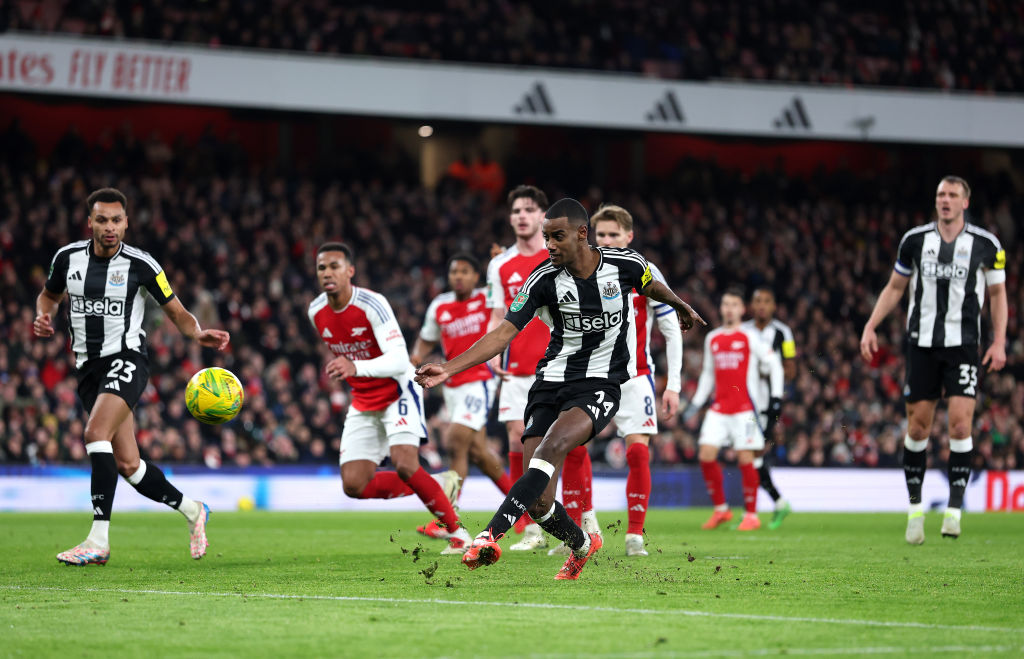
(953, 512)
(758, 462)
(190, 509)
(582, 551)
(588, 516)
(721, 508)
(916, 508)
(98, 534)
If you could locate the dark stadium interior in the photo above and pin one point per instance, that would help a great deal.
(233, 204)
(973, 45)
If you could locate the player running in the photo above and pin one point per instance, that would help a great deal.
(779, 337)
(385, 418)
(458, 319)
(506, 274)
(948, 264)
(582, 294)
(636, 418)
(734, 358)
(106, 281)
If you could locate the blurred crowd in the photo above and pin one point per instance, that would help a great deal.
(238, 245)
(971, 45)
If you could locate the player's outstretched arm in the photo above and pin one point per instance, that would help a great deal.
(492, 343)
(46, 306)
(420, 350)
(661, 293)
(887, 301)
(189, 326)
(995, 356)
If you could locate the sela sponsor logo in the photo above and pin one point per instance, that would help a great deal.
(92, 307)
(117, 279)
(586, 324)
(935, 270)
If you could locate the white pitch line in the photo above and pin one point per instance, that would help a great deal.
(536, 605)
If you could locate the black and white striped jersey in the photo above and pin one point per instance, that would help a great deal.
(777, 335)
(947, 283)
(106, 294)
(592, 335)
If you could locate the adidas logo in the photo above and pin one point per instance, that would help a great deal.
(76, 276)
(638, 508)
(98, 511)
(402, 422)
(568, 297)
(667, 110)
(511, 518)
(649, 423)
(327, 333)
(515, 278)
(793, 115)
(445, 317)
(535, 101)
(113, 384)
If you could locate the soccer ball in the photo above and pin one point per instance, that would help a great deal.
(214, 395)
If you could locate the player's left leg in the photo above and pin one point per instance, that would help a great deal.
(405, 457)
(961, 417)
(149, 480)
(575, 478)
(638, 491)
(749, 476)
(458, 439)
(782, 507)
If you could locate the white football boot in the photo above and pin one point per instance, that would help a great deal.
(533, 538)
(635, 545)
(951, 523)
(915, 526)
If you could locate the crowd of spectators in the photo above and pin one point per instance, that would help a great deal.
(942, 44)
(238, 245)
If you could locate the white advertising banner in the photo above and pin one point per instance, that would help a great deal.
(809, 490)
(430, 90)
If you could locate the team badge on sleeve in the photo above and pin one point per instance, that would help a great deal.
(1000, 263)
(161, 281)
(519, 302)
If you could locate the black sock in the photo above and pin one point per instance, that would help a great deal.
(154, 485)
(959, 472)
(560, 525)
(103, 484)
(914, 465)
(766, 482)
(524, 492)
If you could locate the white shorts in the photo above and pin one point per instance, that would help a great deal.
(638, 407)
(512, 399)
(370, 435)
(469, 404)
(740, 431)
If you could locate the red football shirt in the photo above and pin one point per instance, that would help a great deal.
(506, 274)
(458, 325)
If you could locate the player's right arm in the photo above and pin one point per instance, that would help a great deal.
(430, 334)
(498, 305)
(490, 345)
(887, 301)
(705, 385)
(53, 292)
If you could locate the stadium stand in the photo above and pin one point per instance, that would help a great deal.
(972, 45)
(238, 244)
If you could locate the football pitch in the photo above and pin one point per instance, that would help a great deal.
(367, 585)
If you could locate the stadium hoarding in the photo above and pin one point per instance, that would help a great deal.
(107, 68)
(316, 489)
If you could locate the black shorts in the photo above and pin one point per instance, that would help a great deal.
(598, 398)
(124, 374)
(934, 373)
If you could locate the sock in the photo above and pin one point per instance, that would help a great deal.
(758, 461)
(750, 483)
(385, 485)
(99, 533)
(430, 493)
(959, 470)
(713, 479)
(504, 483)
(558, 523)
(915, 461)
(149, 481)
(572, 484)
(515, 472)
(524, 492)
(587, 483)
(638, 486)
(766, 481)
(104, 478)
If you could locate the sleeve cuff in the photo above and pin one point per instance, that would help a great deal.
(902, 269)
(994, 277)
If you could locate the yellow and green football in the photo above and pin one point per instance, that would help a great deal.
(214, 395)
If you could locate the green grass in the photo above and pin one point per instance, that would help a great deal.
(836, 584)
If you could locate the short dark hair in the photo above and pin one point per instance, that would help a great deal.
(571, 209)
(467, 258)
(336, 247)
(528, 192)
(764, 288)
(956, 179)
(107, 196)
(736, 291)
